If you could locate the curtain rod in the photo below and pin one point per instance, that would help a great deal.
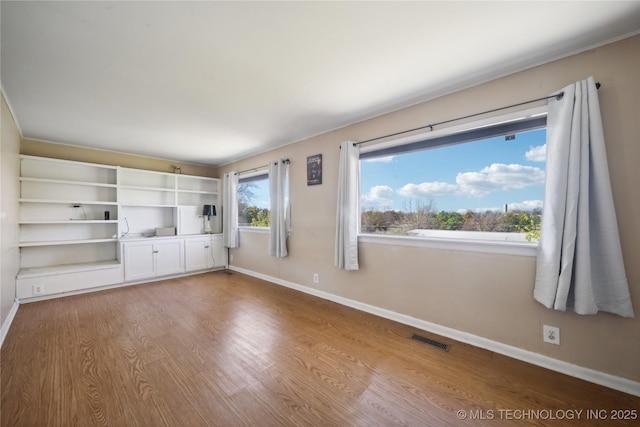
(558, 97)
(257, 168)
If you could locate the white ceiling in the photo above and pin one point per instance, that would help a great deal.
(211, 82)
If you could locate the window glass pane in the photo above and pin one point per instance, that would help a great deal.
(494, 185)
(253, 202)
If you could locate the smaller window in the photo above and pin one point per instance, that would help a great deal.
(253, 201)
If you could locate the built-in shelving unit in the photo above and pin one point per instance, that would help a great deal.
(73, 216)
(151, 200)
(64, 203)
(63, 230)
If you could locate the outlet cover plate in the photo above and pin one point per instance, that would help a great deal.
(551, 334)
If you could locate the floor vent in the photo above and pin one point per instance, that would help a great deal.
(433, 343)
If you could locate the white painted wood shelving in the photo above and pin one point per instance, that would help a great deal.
(73, 216)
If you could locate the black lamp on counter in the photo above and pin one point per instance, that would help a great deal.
(208, 211)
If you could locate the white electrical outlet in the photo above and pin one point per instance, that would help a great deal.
(231, 258)
(38, 289)
(551, 334)
(316, 279)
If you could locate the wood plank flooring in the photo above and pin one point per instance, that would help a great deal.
(222, 349)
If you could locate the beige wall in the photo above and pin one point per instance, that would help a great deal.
(482, 294)
(103, 157)
(9, 183)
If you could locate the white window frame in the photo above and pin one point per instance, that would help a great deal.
(454, 243)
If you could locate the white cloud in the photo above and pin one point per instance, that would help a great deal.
(385, 159)
(498, 177)
(537, 154)
(428, 189)
(379, 196)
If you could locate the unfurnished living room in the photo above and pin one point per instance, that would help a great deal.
(305, 213)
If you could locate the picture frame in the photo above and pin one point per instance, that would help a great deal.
(314, 169)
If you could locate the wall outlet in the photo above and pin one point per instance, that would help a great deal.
(38, 289)
(316, 279)
(230, 258)
(551, 334)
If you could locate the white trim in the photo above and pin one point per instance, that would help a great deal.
(453, 244)
(252, 229)
(7, 322)
(259, 171)
(617, 383)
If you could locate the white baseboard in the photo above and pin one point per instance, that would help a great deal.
(617, 383)
(7, 322)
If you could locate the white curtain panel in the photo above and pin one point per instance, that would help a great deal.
(278, 187)
(579, 262)
(230, 216)
(348, 212)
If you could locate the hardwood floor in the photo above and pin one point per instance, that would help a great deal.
(224, 349)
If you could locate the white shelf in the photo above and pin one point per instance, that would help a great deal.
(141, 205)
(66, 162)
(65, 242)
(66, 172)
(68, 202)
(65, 182)
(133, 187)
(197, 192)
(72, 221)
(67, 268)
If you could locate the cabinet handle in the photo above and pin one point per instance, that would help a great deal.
(155, 252)
(206, 247)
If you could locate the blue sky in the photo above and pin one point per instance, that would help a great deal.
(260, 189)
(480, 175)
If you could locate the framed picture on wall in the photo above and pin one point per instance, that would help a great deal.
(314, 169)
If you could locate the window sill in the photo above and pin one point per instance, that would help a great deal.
(454, 244)
(263, 230)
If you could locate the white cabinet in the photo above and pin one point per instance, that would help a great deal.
(219, 251)
(169, 257)
(139, 261)
(197, 253)
(204, 252)
(72, 215)
(153, 258)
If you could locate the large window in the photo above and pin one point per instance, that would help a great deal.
(253, 201)
(485, 183)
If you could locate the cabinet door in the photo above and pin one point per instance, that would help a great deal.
(169, 257)
(139, 261)
(196, 254)
(219, 252)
